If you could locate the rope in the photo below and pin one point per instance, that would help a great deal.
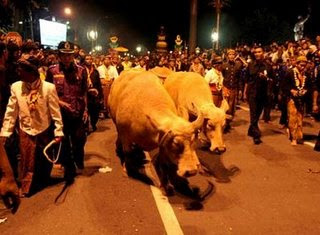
(54, 160)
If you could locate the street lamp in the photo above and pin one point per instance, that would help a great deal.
(98, 48)
(67, 11)
(92, 36)
(214, 37)
(139, 49)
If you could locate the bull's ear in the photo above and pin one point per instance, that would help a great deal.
(224, 105)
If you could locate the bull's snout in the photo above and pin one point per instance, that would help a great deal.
(190, 173)
(218, 150)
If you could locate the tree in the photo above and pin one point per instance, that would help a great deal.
(193, 25)
(218, 5)
(265, 27)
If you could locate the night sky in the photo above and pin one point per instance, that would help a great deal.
(138, 22)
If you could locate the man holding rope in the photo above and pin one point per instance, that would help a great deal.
(36, 104)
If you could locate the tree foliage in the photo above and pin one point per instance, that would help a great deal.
(264, 26)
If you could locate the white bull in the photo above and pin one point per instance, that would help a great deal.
(190, 92)
(146, 118)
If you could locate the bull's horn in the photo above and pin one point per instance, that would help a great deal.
(197, 124)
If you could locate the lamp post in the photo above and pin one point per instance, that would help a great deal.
(139, 49)
(215, 39)
(67, 11)
(92, 36)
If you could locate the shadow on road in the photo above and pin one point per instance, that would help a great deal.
(214, 165)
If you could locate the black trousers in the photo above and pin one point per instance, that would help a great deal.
(93, 110)
(73, 145)
(283, 106)
(256, 105)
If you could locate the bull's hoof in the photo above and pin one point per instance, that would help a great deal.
(168, 191)
(193, 206)
(317, 146)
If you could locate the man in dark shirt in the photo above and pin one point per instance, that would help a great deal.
(258, 74)
(95, 95)
(231, 83)
(70, 80)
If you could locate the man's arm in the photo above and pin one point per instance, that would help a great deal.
(10, 116)
(55, 113)
(8, 187)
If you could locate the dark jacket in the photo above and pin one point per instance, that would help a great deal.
(231, 74)
(71, 86)
(258, 84)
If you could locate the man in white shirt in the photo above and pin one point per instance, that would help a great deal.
(36, 104)
(107, 74)
(214, 78)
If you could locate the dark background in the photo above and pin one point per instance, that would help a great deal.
(138, 22)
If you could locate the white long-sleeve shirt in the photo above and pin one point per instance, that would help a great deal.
(109, 73)
(35, 121)
(214, 76)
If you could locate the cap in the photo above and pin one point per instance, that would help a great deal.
(217, 60)
(274, 44)
(302, 58)
(231, 51)
(29, 63)
(66, 47)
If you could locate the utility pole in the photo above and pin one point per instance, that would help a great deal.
(193, 25)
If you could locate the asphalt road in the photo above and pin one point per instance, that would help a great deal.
(276, 191)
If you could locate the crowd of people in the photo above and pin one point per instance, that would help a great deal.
(61, 94)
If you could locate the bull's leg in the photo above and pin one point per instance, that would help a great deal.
(119, 151)
(181, 184)
(134, 163)
(162, 172)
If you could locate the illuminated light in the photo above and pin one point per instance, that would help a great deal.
(53, 19)
(92, 35)
(20, 22)
(170, 52)
(197, 50)
(68, 27)
(138, 49)
(98, 48)
(148, 52)
(214, 36)
(67, 11)
(68, 22)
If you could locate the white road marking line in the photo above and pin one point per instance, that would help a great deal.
(305, 142)
(167, 215)
(169, 219)
(309, 144)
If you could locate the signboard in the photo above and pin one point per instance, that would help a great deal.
(51, 33)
